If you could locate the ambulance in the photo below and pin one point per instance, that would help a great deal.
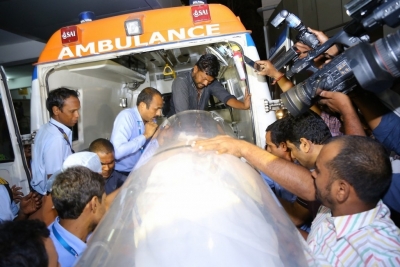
(109, 61)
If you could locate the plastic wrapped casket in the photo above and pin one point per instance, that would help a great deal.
(183, 207)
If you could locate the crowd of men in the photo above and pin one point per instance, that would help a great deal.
(343, 192)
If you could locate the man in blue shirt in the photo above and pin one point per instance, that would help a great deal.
(105, 150)
(193, 90)
(79, 198)
(53, 142)
(133, 127)
(275, 144)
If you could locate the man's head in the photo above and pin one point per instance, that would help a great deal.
(26, 243)
(149, 103)
(63, 105)
(306, 134)
(105, 150)
(205, 70)
(78, 191)
(352, 170)
(275, 139)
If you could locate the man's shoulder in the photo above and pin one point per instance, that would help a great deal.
(179, 81)
(217, 85)
(218, 90)
(3, 181)
(47, 130)
(115, 175)
(127, 113)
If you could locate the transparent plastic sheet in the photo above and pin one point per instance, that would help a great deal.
(182, 207)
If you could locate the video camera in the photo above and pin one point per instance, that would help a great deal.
(372, 66)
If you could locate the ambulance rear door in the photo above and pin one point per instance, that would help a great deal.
(13, 164)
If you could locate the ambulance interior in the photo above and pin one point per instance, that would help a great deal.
(108, 85)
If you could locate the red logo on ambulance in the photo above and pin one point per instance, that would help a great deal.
(69, 34)
(200, 13)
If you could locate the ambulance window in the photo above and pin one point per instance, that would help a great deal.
(6, 150)
(22, 111)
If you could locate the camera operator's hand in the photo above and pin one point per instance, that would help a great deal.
(268, 69)
(336, 101)
(341, 103)
(322, 38)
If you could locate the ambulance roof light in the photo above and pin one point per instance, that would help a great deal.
(86, 16)
(133, 27)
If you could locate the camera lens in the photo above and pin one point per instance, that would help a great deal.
(297, 100)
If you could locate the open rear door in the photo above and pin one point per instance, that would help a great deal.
(13, 164)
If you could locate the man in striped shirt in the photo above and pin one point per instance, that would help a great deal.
(353, 226)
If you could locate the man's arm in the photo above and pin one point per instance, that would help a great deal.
(268, 69)
(17, 194)
(370, 106)
(54, 155)
(294, 178)
(383, 122)
(124, 127)
(180, 94)
(234, 103)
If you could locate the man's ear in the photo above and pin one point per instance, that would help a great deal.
(341, 190)
(55, 110)
(93, 204)
(195, 69)
(142, 106)
(283, 146)
(305, 145)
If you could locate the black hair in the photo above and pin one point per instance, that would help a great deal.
(22, 243)
(57, 98)
(209, 64)
(365, 164)
(101, 145)
(277, 130)
(146, 96)
(309, 126)
(73, 189)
